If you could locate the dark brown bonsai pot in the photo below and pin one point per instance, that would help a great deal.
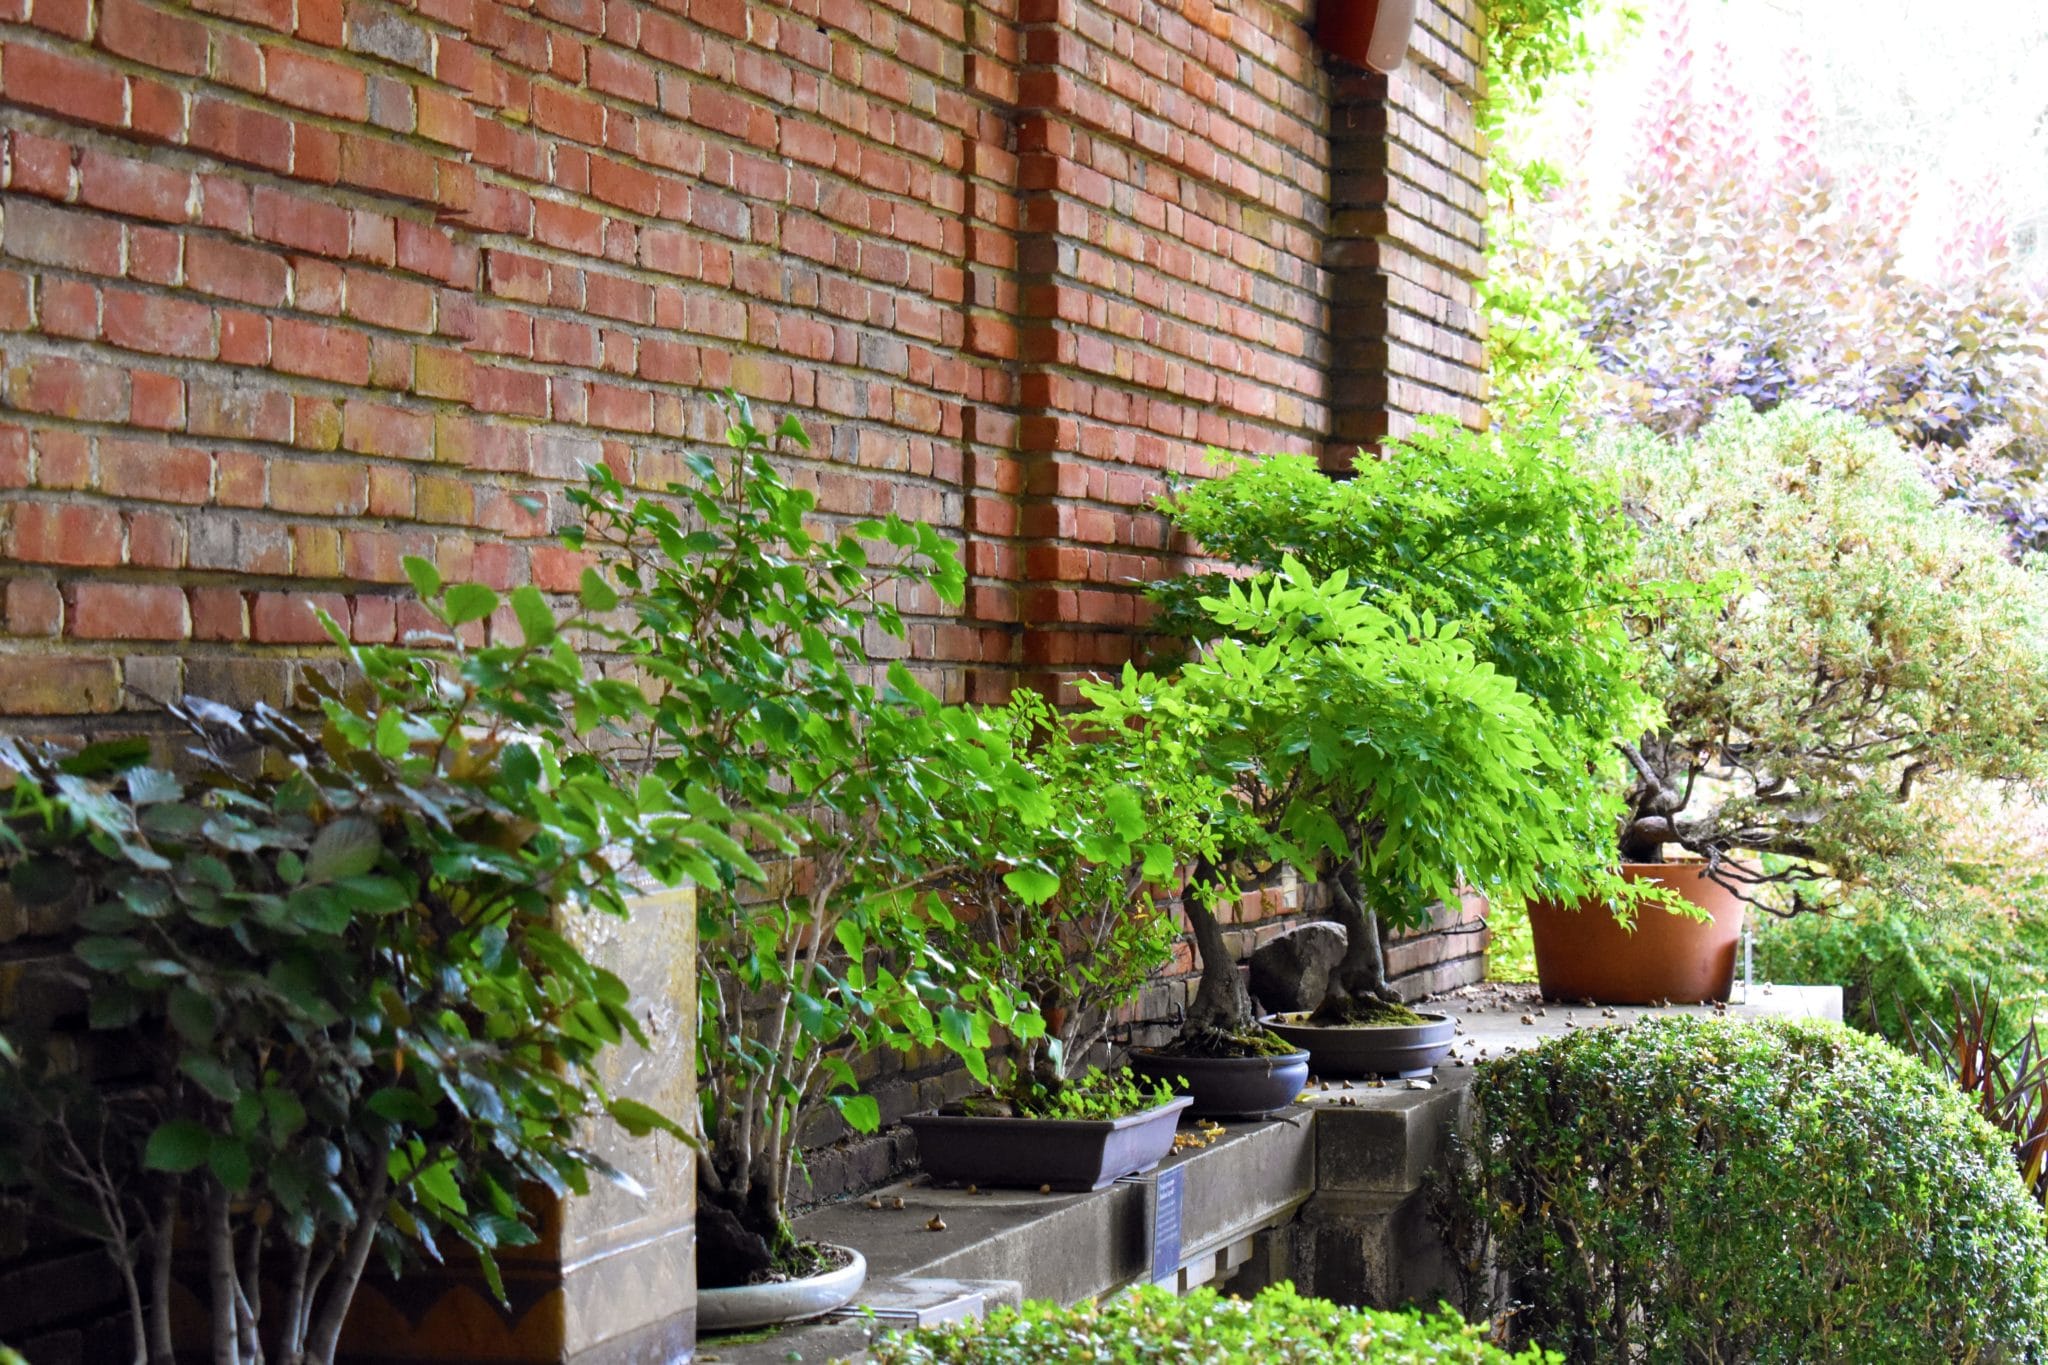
(1067, 1154)
(1227, 1087)
(1584, 953)
(1369, 1050)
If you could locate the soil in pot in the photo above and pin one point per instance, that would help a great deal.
(1583, 952)
(839, 1274)
(1403, 1042)
(1248, 1077)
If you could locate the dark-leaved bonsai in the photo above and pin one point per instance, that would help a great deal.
(1419, 690)
(332, 1010)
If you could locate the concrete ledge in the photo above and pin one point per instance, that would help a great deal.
(1332, 1194)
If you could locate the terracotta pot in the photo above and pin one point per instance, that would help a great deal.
(1583, 953)
(1371, 33)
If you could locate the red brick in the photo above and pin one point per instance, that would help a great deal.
(331, 353)
(235, 132)
(131, 29)
(302, 224)
(155, 472)
(64, 533)
(217, 266)
(68, 87)
(129, 611)
(157, 401)
(70, 308)
(59, 685)
(387, 302)
(158, 324)
(319, 487)
(34, 607)
(59, 386)
(314, 83)
(219, 614)
(292, 618)
(271, 14)
(62, 237)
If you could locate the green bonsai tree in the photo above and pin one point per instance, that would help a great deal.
(1069, 911)
(1426, 678)
(850, 791)
(1879, 650)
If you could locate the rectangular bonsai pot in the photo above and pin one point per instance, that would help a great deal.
(1067, 1154)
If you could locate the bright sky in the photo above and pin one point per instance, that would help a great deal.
(1955, 88)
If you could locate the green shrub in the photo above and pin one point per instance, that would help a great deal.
(1888, 960)
(1694, 1190)
(1279, 1327)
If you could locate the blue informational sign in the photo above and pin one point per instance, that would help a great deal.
(1166, 1211)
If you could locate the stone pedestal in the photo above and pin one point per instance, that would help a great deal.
(613, 1279)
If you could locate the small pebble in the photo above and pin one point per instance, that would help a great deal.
(897, 1202)
(1045, 1189)
(974, 1189)
(1528, 1018)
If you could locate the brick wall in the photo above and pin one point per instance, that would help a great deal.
(292, 288)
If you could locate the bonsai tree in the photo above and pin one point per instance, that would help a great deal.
(330, 1009)
(1423, 683)
(1879, 650)
(850, 793)
(1068, 912)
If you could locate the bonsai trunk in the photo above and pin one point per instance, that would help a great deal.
(1222, 1008)
(1362, 974)
(741, 1234)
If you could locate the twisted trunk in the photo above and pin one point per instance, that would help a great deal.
(1362, 974)
(1222, 1007)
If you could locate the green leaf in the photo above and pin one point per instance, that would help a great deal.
(1033, 886)
(177, 1146)
(391, 740)
(861, 1112)
(229, 1160)
(426, 579)
(468, 602)
(438, 1183)
(211, 1074)
(107, 954)
(193, 1015)
(1126, 812)
(596, 594)
(639, 1120)
(536, 621)
(347, 847)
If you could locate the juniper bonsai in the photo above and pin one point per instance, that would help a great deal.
(1879, 656)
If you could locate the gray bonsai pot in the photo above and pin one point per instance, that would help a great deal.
(1227, 1087)
(1067, 1154)
(1376, 1050)
(741, 1306)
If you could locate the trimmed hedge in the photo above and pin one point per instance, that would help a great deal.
(1279, 1327)
(1690, 1190)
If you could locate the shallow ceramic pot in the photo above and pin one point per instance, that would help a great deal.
(1067, 1154)
(741, 1306)
(1371, 1049)
(1227, 1087)
(1583, 953)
